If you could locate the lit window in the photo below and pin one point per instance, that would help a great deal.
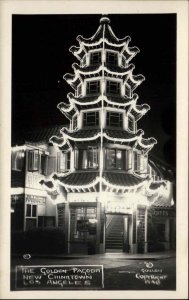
(82, 222)
(63, 161)
(128, 159)
(136, 161)
(44, 164)
(17, 160)
(95, 58)
(140, 163)
(114, 119)
(114, 159)
(143, 164)
(91, 118)
(88, 158)
(92, 157)
(33, 160)
(93, 87)
(112, 58)
(113, 87)
(131, 123)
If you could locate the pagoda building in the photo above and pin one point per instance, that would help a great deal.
(107, 185)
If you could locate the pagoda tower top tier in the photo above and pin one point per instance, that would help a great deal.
(104, 34)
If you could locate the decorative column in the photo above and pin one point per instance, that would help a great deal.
(67, 227)
(146, 231)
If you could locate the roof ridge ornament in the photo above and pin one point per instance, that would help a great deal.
(104, 19)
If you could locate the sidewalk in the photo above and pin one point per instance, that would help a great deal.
(119, 255)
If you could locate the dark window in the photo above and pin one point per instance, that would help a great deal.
(91, 118)
(112, 58)
(28, 210)
(61, 213)
(95, 58)
(63, 161)
(31, 210)
(114, 159)
(17, 160)
(113, 87)
(31, 223)
(131, 123)
(44, 164)
(82, 223)
(93, 87)
(44, 221)
(34, 210)
(114, 119)
(160, 232)
(33, 160)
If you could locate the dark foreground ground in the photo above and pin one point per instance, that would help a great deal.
(120, 272)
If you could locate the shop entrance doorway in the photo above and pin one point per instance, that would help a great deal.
(117, 233)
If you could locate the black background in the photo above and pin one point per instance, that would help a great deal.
(40, 57)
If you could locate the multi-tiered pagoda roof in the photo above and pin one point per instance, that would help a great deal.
(104, 60)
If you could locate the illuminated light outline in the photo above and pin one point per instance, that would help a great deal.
(141, 111)
(19, 148)
(131, 51)
(83, 41)
(64, 142)
(148, 147)
(128, 74)
(123, 187)
(17, 191)
(77, 52)
(135, 81)
(67, 136)
(77, 70)
(82, 138)
(72, 99)
(75, 100)
(138, 138)
(64, 108)
(91, 184)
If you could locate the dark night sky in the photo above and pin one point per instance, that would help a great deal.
(40, 57)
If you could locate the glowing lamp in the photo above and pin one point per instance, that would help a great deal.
(118, 155)
(93, 221)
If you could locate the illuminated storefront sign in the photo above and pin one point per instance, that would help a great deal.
(35, 199)
(84, 197)
(162, 213)
(118, 207)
